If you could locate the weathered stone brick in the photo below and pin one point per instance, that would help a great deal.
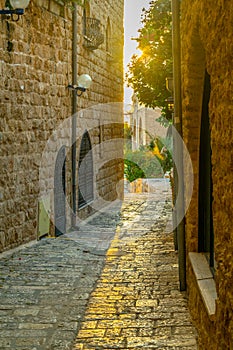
(207, 44)
(36, 66)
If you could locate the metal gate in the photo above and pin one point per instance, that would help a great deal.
(85, 174)
(60, 192)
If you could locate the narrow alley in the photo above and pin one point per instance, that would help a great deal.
(111, 285)
(93, 92)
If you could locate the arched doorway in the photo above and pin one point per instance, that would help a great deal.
(205, 224)
(60, 192)
(85, 173)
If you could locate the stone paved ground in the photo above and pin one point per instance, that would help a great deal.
(43, 293)
(54, 289)
(136, 303)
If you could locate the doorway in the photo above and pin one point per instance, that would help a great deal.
(205, 224)
(60, 192)
(85, 173)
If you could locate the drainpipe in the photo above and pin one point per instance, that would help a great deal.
(74, 111)
(177, 144)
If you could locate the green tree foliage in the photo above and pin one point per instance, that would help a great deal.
(147, 73)
(141, 164)
(162, 149)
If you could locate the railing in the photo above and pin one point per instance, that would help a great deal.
(93, 37)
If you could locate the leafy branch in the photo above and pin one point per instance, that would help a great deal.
(147, 72)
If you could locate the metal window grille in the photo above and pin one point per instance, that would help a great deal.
(93, 37)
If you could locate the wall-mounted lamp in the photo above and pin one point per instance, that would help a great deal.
(18, 7)
(84, 82)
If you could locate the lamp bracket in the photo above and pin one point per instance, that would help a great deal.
(11, 13)
(79, 90)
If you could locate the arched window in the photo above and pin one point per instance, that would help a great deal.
(140, 133)
(85, 173)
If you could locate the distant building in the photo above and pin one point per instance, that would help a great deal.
(144, 124)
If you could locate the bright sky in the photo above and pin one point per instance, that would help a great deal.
(133, 11)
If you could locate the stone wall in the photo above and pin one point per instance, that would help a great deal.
(36, 67)
(145, 126)
(207, 44)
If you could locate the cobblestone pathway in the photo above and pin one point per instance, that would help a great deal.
(136, 303)
(54, 289)
(43, 294)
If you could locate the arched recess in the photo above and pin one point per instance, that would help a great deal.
(193, 76)
(205, 193)
(85, 172)
(108, 36)
(60, 192)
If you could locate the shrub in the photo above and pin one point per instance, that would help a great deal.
(141, 164)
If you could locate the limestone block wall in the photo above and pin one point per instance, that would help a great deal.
(143, 124)
(36, 67)
(207, 44)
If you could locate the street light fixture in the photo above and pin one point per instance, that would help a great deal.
(84, 82)
(18, 7)
(170, 103)
(170, 99)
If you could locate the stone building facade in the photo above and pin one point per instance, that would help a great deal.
(144, 125)
(207, 60)
(36, 115)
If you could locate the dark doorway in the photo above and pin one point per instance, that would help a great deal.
(85, 174)
(60, 192)
(205, 224)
